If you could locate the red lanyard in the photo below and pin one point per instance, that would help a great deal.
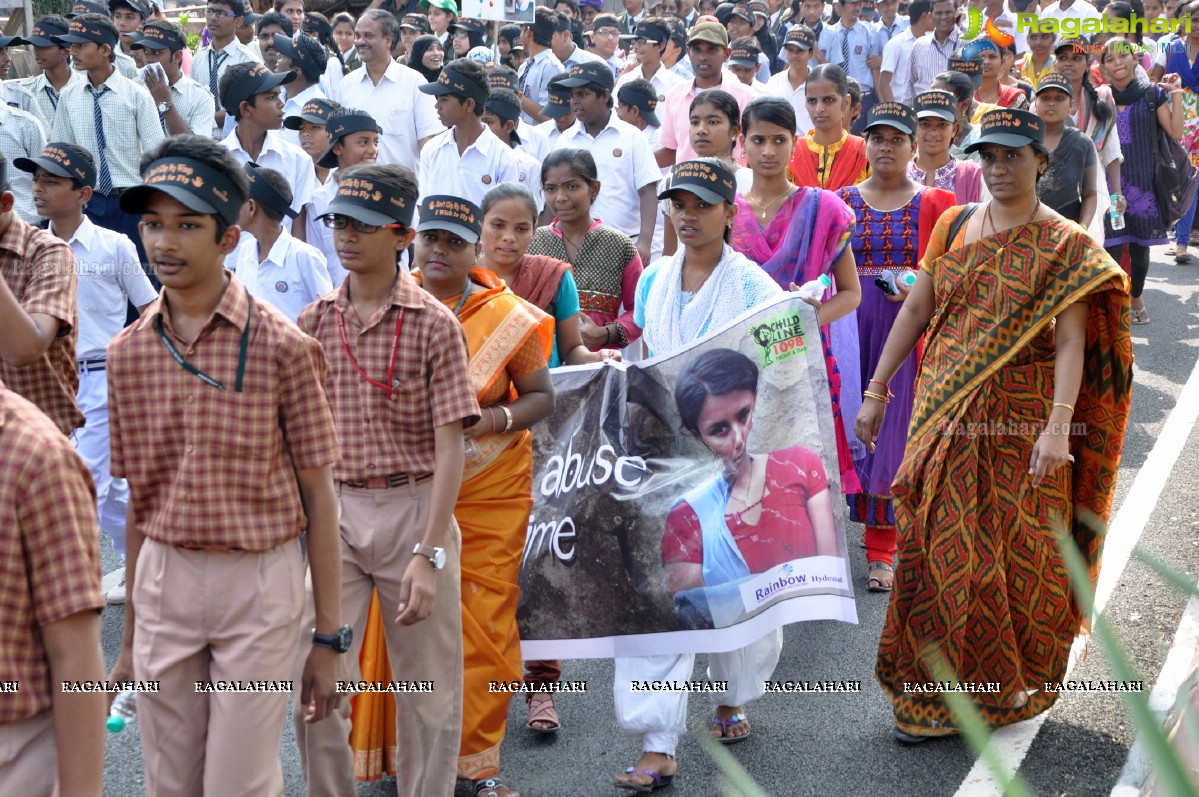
(391, 361)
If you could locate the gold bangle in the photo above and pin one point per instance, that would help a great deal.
(876, 397)
(1067, 406)
(508, 415)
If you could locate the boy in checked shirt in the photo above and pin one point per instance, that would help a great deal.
(51, 740)
(400, 392)
(220, 427)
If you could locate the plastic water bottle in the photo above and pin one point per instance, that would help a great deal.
(907, 279)
(1117, 217)
(123, 712)
(813, 289)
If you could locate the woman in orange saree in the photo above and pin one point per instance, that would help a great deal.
(509, 342)
(1027, 338)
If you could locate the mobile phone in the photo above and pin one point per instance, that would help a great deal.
(886, 283)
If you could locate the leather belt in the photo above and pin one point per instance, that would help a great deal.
(386, 482)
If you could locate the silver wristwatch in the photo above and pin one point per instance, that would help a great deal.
(436, 556)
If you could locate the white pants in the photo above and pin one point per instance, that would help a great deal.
(661, 717)
(91, 443)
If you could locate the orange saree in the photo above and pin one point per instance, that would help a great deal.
(981, 583)
(507, 339)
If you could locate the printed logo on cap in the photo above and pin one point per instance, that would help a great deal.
(451, 208)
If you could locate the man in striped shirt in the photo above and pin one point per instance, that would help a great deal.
(930, 54)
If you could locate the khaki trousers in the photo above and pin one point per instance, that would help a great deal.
(29, 757)
(207, 617)
(379, 529)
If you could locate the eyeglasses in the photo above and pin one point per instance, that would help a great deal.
(337, 222)
(216, 12)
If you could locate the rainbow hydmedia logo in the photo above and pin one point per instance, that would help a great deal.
(976, 25)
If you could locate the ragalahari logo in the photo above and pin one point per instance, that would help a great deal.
(976, 26)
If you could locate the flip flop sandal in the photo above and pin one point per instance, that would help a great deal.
(487, 787)
(874, 583)
(660, 781)
(1184, 257)
(1140, 316)
(541, 709)
(1171, 250)
(733, 719)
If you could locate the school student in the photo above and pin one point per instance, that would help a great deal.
(220, 426)
(276, 267)
(37, 315)
(353, 139)
(310, 124)
(51, 740)
(501, 112)
(399, 388)
(209, 64)
(560, 116)
(183, 105)
(53, 57)
(251, 95)
(305, 57)
(21, 136)
(110, 278)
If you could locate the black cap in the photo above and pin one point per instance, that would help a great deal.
(88, 7)
(452, 214)
(305, 52)
(251, 18)
(651, 31)
(1070, 42)
(371, 202)
(45, 32)
(505, 105)
(315, 112)
(81, 32)
(936, 103)
(256, 80)
(8, 41)
(453, 81)
(893, 114)
(417, 22)
(499, 79)
(139, 6)
(591, 73)
(194, 183)
(1008, 128)
(510, 32)
(156, 38)
(800, 36)
(970, 67)
(744, 52)
(641, 95)
(316, 25)
(263, 192)
(605, 21)
(744, 12)
(1055, 80)
(708, 178)
(341, 126)
(558, 104)
(63, 160)
(467, 25)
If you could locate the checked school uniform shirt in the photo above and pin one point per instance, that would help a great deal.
(381, 435)
(211, 467)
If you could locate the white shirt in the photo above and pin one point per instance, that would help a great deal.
(405, 114)
(293, 275)
(293, 106)
(528, 174)
(47, 96)
(18, 95)
(21, 136)
(332, 76)
(581, 56)
(532, 140)
(482, 165)
(780, 86)
(232, 53)
(662, 81)
(625, 164)
(110, 276)
(289, 160)
(318, 234)
(549, 129)
(895, 60)
(1080, 9)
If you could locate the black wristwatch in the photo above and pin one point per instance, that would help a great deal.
(339, 642)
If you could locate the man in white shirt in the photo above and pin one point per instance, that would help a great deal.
(53, 57)
(650, 40)
(854, 45)
(184, 106)
(467, 160)
(890, 23)
(210, 63)
(306, 58)
(561, 117)
(569, 53)
(128, 16)
(390, 91)
(125, 65)
(21, 136)
(110, 279)
(893, 83)
(627, 169)
(274, 266)
(791, 84)
(930, 54)
(251, 96)
(13, 92)
(501, 112)
(1078, 9)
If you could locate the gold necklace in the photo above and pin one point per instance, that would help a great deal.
(988, 220)
(766, 207)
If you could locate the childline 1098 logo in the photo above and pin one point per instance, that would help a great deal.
(780, 336)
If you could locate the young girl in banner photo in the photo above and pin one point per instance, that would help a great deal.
(762, 510)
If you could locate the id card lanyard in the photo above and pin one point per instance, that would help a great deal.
(191, 369)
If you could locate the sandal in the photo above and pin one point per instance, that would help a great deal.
(1183, 255)
(1140, 316)
(734, 719)
(658, 780)
(907, 738)
(875, 583)
(1171, 250)
(541, 709)
(487, 788)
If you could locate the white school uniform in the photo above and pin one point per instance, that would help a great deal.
(288, 159)
(293, 275)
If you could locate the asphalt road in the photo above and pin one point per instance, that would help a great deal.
(839, 744)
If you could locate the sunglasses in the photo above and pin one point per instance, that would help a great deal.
(338, 222)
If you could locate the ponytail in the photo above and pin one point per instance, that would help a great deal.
(1099, 109)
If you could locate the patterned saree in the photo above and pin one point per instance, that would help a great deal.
(981, 583)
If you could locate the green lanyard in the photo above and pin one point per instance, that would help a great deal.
(191, 369)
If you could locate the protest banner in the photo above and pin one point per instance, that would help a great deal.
(690, 502)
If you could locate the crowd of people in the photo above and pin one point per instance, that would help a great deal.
(283, 295)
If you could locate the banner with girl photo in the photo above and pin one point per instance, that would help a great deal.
(688, 503)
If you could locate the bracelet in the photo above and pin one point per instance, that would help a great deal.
(622, 336)
(1067, 406)
(491, 414)
(876, 397)
(607, 334)
(886, 387)
(508, 415)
